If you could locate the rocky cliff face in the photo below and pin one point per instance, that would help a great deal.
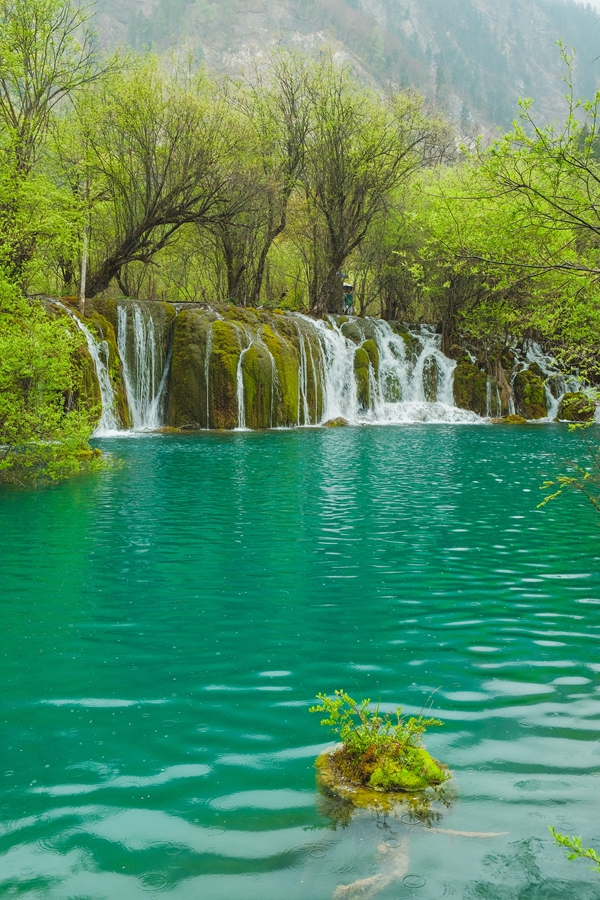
(474, 57)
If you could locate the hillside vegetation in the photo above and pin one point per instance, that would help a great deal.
(475, 57)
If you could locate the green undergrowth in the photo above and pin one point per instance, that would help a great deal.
(379, 750)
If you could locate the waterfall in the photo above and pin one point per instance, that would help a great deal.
(240, 391)
(556, 383)
(98, 350)
(145, 367)
(415, 378)
(302, 381)
(415, 381)
(241, 402)
(209, 339)
(337, 360)
(274, 384)
(366, 371)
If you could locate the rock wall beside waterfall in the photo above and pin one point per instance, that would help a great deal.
(251, 369)
(194, 367)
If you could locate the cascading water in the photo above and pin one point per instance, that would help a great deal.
(98, 350)
(145, 365)
(556, 383)
(241, 403)
(302, 371)
(303, 407)
(414, 382)
(208, 352)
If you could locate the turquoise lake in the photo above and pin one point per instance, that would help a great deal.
(166, 626)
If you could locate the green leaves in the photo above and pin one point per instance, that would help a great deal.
(381, 750)
(359, 727)
(578, 851)
(43, 434)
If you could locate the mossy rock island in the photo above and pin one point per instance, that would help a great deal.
(380, 754)
(365, 783)
(336, 423)
(513, 419)
(343, 797)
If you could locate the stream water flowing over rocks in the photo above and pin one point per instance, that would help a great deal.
(189, 367)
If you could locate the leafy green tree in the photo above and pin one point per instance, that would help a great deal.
(359, 150)
(377, 749)
(46, 55)
(156, 148)
(43, 433)
(518, 223)
(274, 109)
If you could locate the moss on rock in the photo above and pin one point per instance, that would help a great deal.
(470, 388)
(87, 394)
(416, 773)
(350, 330)
(530, 395)
(576, 407)
(510, 420)
(226, 349)
(188, 391)
(430, 379)
(340, 422)
(361, 374)
(286, 359)
(257, 372)
(373, 352)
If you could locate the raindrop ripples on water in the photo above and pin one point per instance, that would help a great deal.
(168, 624)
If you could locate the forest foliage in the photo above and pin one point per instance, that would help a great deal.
(270, 189)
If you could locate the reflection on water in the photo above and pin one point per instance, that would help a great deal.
(167, 626)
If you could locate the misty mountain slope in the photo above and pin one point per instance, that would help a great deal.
(475, 57)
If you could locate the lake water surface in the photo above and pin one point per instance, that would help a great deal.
(166, 626)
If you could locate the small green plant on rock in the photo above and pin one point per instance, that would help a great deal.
(379, 750)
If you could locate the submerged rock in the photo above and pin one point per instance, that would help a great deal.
(576, 407)
(335, 423)
(510, 420)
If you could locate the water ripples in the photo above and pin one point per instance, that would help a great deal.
(158, 739)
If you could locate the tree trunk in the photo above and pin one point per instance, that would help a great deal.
(84, 256)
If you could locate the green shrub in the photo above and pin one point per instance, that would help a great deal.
(43, 435)
(379, 750)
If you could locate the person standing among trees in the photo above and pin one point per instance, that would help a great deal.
(348, 299)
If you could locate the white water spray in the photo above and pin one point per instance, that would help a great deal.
(209, 342)
(144, 373)
(399, 393)
(98, 350)
(241, 401)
